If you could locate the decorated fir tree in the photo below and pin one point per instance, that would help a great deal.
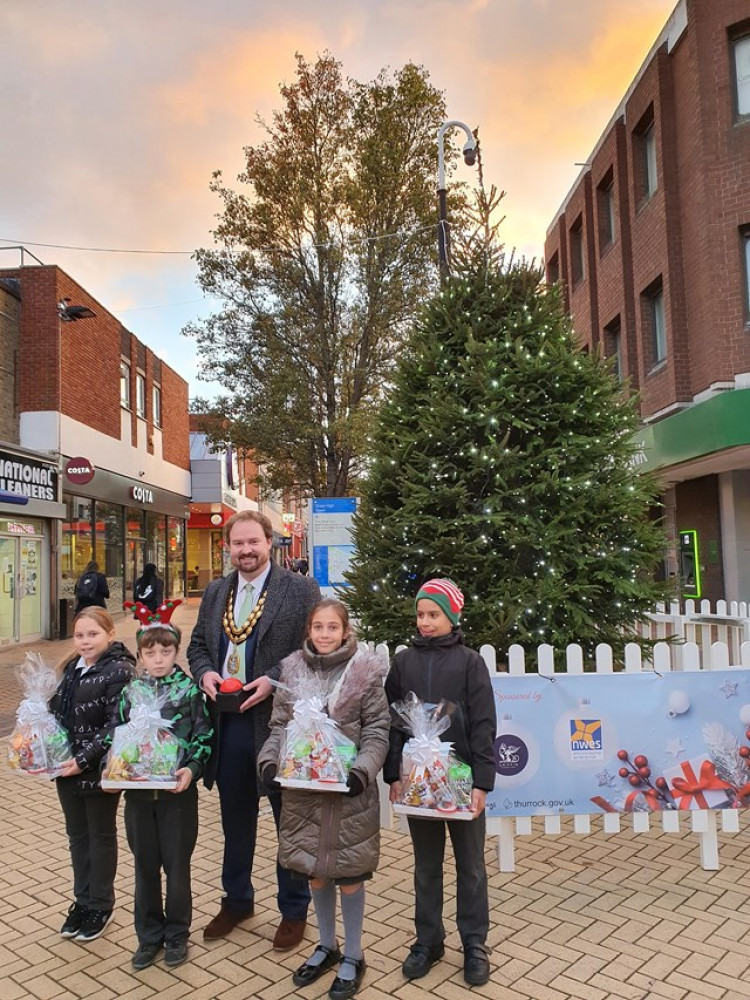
(503, 459)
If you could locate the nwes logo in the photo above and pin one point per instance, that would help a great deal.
(586, 739)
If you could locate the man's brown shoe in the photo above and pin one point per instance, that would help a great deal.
(288, 934)
(223, 923)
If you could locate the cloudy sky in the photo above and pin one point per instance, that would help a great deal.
(116, 112)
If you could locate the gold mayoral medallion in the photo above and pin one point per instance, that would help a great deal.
(238, 634)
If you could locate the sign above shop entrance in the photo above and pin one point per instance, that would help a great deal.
(142, 494)
(79, 471)
(23, 479)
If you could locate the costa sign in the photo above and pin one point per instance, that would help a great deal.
(79, 471)
(142, 494)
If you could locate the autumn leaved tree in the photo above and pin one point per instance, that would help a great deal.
(321, 259)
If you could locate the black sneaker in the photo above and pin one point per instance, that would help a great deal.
(476, 965)
(421, 959)
(144, 956)
(175, 953)
(94, 924)
(73, 921)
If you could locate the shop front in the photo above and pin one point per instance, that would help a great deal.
(29, 516)
(121, 525)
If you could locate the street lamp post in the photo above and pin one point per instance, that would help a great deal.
(470, 156)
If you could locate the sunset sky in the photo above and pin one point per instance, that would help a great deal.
(116, 112)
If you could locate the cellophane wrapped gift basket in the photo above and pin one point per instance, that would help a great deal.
(436, 783)
(144, 753)
(314, 755)
(38, 745)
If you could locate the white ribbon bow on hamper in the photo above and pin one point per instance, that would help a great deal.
(34, 715)
(425, 750)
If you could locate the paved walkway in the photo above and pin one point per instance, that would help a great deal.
(595, 918)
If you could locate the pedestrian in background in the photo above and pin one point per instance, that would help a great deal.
(91, 588)
(149, 589)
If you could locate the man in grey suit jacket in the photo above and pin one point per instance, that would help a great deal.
(246, 633)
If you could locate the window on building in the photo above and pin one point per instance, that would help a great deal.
(157, 405)
(654, 323)
(741, 59)
(606, 211)
(576, 251)
(644, 157)
(613, 345)
(745, 237)
(140, 394)
(125, 384)
(553, 269)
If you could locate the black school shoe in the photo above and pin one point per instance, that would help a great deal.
(341, 989)
(421, 959)
(144, 956)
(175, 953)
(307, 974)
(73, 921)
(476, 965)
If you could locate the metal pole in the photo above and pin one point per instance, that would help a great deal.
(443, 236)
(443, 229)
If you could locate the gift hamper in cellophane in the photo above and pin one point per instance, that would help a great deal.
(315, 755)
(436, 783)
(38, 745)
(144, 753)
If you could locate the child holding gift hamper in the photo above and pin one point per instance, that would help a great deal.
(86, 703)
(162, 824)
(438, 667)
(331, 838)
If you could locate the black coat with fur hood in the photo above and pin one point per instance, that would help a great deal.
(328, 834)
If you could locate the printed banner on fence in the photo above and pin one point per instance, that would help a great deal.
(621, 742)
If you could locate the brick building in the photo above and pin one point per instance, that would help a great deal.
(652, 246)
(96, 418)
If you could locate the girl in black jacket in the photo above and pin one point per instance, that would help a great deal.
(86, 704)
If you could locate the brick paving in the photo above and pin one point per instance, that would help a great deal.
(583, 918)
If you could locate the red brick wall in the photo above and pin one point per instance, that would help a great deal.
(687, 232)
(175, 417)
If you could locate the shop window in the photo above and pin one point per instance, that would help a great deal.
(157, 405)
(140, 394)
(176, 557)
(77, 542)
(156, 541)
(108, 544)
(125, 384)
(741, 65)
(605, 199)
(576, 251)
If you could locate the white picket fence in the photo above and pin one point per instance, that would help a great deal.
(701, 640)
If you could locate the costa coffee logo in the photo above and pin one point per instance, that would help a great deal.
(79, 471)
(142, 494)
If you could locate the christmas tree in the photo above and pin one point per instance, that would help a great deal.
(503, 459)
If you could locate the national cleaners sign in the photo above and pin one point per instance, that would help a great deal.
(23, 479)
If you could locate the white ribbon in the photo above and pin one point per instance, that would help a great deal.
(145, 719)
(34, 715)
(310, 714)
(425, 750)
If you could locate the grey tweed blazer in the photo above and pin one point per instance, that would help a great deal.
(281, 629)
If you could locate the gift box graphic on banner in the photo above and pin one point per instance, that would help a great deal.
(694, 784)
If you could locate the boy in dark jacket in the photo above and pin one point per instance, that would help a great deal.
(438, 666)
(162, 826)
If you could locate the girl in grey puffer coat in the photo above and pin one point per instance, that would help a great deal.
(334, 838)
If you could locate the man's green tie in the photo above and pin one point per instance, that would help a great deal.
(243, 613)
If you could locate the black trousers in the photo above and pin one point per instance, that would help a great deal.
(237, 779)
(472, 903)
(91, 826)
(162, 830)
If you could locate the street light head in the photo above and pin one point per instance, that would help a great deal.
(470, 153)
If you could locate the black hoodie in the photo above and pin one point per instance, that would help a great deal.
(443, 668)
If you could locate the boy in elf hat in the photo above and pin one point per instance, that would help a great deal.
(438, 666)
(162, 826)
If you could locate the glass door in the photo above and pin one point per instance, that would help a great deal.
(8, 561)
(20, 589)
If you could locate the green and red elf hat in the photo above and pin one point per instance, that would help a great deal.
(445, 594)
(153, 619)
